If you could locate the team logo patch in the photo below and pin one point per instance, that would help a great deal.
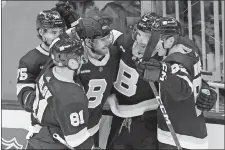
(11, 144)
(14, 138)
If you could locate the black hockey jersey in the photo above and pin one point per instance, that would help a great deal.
(97, 78)
(134, 94)
(178, 93)
(30, 65)
(62, 106)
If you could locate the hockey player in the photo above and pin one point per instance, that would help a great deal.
(134, 124)
(134, 98)
(61, 106)
(179, 76)
(100, 72)
(49, 26)
(98, 75)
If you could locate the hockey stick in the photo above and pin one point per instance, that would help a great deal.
(62, 141)
(147, 55)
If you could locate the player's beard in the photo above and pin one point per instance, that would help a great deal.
(47, 42)
(137, 50)
(101, 51)
(101, 46)
(97, 52)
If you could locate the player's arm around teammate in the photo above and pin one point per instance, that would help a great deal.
(179, 75)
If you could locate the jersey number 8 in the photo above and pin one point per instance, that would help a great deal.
(95, 96)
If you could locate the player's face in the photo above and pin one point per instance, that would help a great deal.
(160, 49)
(141, 41)
(101, 44)
(142, 38)
(168, 42)
(164, 45)
(51, 34)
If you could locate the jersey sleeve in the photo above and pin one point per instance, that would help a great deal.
(178, 82)
(72, 116)
(26, 75)
(185, 76)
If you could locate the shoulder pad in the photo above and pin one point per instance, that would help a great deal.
(33, 54)
(189, 44)
(30, 58)
(183, 59)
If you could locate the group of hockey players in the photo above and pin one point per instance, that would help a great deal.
(82, 63)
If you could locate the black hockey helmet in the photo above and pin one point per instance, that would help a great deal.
(49, 19)
(168, 26)
(95, 24)
(146, 21)
(64, 48)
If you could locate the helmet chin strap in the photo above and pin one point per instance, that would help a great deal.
(176, 39)
(167, 49)
(76, 71)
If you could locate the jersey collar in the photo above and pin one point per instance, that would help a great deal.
(41, 50)
(59, 77)
(96, 62)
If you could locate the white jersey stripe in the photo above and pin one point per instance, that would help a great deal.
(75, 140)
(125, 111)
(20, 86)
(188, 142)
(94, 129)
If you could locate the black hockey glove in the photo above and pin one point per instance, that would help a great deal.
(68, 12)
(206, 98)
(29, 101)
(153, 70)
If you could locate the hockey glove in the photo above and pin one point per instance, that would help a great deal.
(29, 100)
(153, 70)
(206, 98)
(68, 12)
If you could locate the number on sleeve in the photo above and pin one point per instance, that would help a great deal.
(95, 92)
(77, 118)
(40, 102)
(39, 106)
(197, 82)
(22, 74)
(127, 79)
